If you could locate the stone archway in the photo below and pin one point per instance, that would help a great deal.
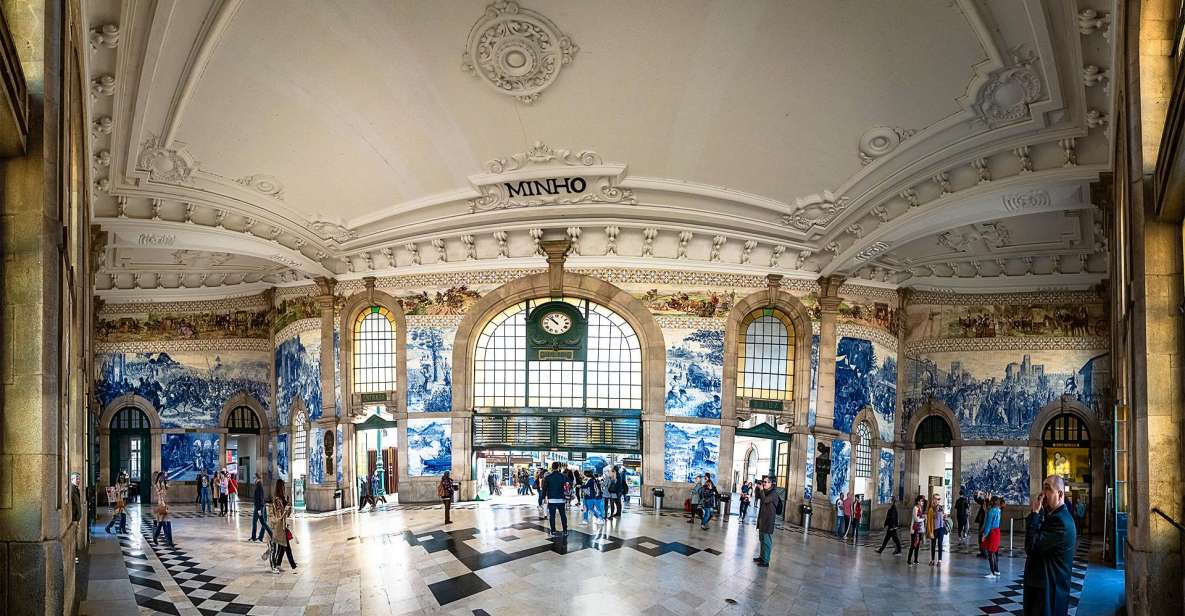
(1099, 444)
(772, 297)
(263, 439)
(913, 454)
(154, 441)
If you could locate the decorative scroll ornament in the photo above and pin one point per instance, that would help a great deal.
(518, 51)
(263, 184)
(164, 164)
(880, 140)
(815, 212)
(329, 229)
(1009, 91)
(544, 175)
(873, 251)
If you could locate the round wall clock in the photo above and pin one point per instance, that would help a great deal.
(556, 323)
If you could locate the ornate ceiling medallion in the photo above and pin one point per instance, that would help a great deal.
(1009, 91)
(518, 51)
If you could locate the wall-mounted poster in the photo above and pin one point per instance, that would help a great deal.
(183, 456)
(690, 450)
(429, 447)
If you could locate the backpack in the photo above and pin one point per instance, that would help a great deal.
(592, 489)
(441, 490)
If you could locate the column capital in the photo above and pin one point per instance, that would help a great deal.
(325, 285)
(829, 286)
(557, 253)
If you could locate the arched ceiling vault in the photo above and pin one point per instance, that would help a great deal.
(916, 143)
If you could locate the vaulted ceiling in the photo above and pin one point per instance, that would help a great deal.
(909, 142)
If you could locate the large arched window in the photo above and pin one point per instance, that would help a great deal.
(374, 351)
(765, 368)
(863, 450)
(610, 378)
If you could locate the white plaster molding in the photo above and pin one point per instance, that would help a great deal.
(181, 294)
(222, 12)
(294, 329)
(517, 51)
(544, 165)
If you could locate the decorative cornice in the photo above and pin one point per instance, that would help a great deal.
(262, 345)
(1035, 343)
(257, 301)
(1035, 297)
(294, 329)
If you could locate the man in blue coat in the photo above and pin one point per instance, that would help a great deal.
(556, 488)
(1050, 538)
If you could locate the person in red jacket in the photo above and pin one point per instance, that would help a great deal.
(232, 490)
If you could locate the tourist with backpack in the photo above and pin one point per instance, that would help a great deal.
(593, 494)
(708, 498)
(556, 489)
(445, 491)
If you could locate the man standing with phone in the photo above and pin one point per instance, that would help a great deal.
(765, 519)
(1050, 538)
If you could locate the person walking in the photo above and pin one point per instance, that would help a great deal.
(594, 500)
(376, 490)
(120, 511)
(917, 527)
(203, 482)
(542, 494)
(746, 492)
(623, 490)
(891, 528)
(765, 520)
(259, 510)
(841, 527)
(695, 499)
(444, 491)
(990, 539)
(936, 527)
(961, 507)
(282, 536)
(161, 510)
(577, 481)
(555, 488)
(1050, 539)
(492, 482)
(708, 500)
(612, 501)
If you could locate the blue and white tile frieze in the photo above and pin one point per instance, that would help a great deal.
(430, 369)
(282, 457)
(298, 375)
(809, 484)
(1002, 470)
(183, 456)
(689, 450)
(187, 389)
(884, 477)
(429, 447)
(841, 458)
(695, 369)
(865, 376)
(317, 456)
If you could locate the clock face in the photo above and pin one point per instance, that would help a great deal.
(556, 323)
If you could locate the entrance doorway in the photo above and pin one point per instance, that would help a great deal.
(505, 468)
(376, 457)
(242, 444)
(131, 452)
(936, 459)
(1066, 452)
(760, 449)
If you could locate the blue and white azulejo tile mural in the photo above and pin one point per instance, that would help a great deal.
(430, 369)
(298, 375)
(812, 405)
(429, 447)
(884, 477)
(337, 372)
(187, 389)
(841, 458)
(808, 486)
(183, 456)
(690, 449)
(337, 452)
(317, 455)
(282, 456)
(1002, 470)
(695, 369)
(865, 376)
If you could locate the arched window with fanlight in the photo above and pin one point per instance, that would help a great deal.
(765, 356)
(863, 450)
(375, 347)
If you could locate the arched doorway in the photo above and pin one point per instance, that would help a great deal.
(934, 441)
(376, 454)
(129, 443)
(1065, 451)
(244, 442)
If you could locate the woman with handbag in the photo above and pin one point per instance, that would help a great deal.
(281, 535)
(161, 510)
(936, 527)
(917, 526)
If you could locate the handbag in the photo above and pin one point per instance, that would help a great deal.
(288, 534)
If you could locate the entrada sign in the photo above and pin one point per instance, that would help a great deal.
(549, 186)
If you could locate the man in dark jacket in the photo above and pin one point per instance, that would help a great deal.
(259, 509)
(891, 528)
(765, 519)
(1050, 538)
(555, 488)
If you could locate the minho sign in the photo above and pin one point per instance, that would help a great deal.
(550, 186)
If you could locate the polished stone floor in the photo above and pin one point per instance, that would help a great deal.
(496, 558)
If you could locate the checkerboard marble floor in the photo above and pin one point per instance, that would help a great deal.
(496, 558)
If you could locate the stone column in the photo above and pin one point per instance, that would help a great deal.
(319, 497)
(824, 428)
